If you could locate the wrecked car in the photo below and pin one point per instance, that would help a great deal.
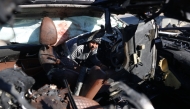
(147, 64)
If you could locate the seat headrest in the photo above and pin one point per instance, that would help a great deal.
(48, 32)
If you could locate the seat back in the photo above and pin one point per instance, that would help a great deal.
(48, 37)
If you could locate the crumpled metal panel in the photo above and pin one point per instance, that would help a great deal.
(48, 97)
(15, 83)
(18, 78)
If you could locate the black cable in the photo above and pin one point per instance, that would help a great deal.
(74, 106)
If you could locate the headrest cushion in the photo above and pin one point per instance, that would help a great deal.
(48, 32)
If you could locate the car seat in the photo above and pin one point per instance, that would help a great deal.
(47, 54)
(48, 59)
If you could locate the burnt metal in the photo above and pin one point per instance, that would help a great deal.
(18, 78)
(115, 6)
(178, 48)
(15, 82)
(51, 97)
(120, 92)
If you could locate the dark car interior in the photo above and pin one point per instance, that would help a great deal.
(147, 69)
